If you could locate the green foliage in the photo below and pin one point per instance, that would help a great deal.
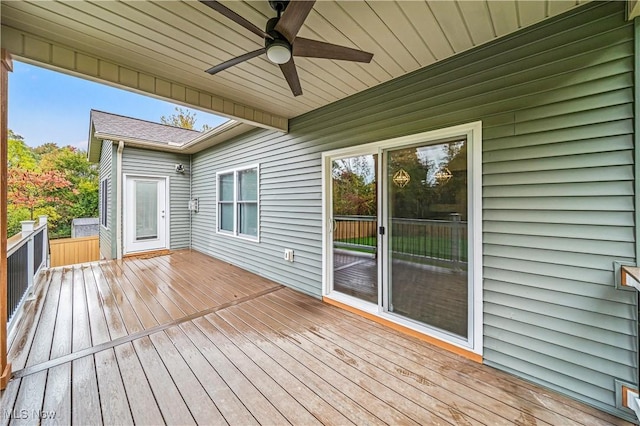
(16, 214)
(354, 189)
(183, 118)
(58, 182)
(45, 148)
(19, 155)
(436, 187)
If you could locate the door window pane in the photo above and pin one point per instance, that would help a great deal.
(355, 226)
(427, 253)
(146, 210)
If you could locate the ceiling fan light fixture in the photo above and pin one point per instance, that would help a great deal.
(279, 52)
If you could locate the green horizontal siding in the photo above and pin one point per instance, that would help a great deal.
(556, 103)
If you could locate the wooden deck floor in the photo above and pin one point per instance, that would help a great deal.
(186, 339)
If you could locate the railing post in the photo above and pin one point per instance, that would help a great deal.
(45, 239)
(27, 229)
(455, 240)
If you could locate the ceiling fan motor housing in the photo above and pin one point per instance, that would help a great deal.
(277, 44)
(278, 5)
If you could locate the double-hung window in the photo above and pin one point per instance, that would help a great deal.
(237, 200)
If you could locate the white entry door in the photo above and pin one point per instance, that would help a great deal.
(145, 213)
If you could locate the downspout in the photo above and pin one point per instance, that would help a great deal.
(119, 200)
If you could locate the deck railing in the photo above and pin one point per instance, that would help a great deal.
(440, 240)
(355, 233)
(27, 255)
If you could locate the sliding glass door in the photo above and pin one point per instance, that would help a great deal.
(427, 245)
(403, 232)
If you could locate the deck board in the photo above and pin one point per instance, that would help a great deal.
(290, 340)
(115, 407)
(145, 300)
(178, 294)
(402, 373)
(202, 408)
(171, 403)
(20, 341)
(324, 412)
(261, 409)
(137, 386)
(222, 396)
(289, 407)
(203, 342)
(111, 285)
(407, 411)
(81, 337)
(307, 369)
(85, 399)
(454, 369)
(95, 309)
(57, 396)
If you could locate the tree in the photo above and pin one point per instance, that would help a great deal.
(183, 118)
(58, 182)
(354, 186)
(45, 148)
(71, 161)
(19, 155)
(411, 200)
(81, 198)
(31, 190)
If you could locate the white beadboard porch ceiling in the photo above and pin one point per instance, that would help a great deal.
(178, 40)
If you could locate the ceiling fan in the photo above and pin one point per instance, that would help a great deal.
(281, 43)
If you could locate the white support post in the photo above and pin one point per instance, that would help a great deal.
(30, 263)
(27, 227)
(45, 239)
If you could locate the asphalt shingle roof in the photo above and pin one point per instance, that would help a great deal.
(133, 128)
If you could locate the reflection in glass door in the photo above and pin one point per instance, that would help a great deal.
(427, 243)
(355, 226)
(146, 210)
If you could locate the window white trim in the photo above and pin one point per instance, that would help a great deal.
(473, 132)
(235, 233)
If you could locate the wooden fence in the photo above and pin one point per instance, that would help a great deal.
(68, 251)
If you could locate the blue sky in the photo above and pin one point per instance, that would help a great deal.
(48, 106)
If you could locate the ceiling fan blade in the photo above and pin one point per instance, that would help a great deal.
(235, 61)
(293, 18)
(319, 49)
(291, 75)
(219, 7)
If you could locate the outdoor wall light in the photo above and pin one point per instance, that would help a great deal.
(179, 168)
